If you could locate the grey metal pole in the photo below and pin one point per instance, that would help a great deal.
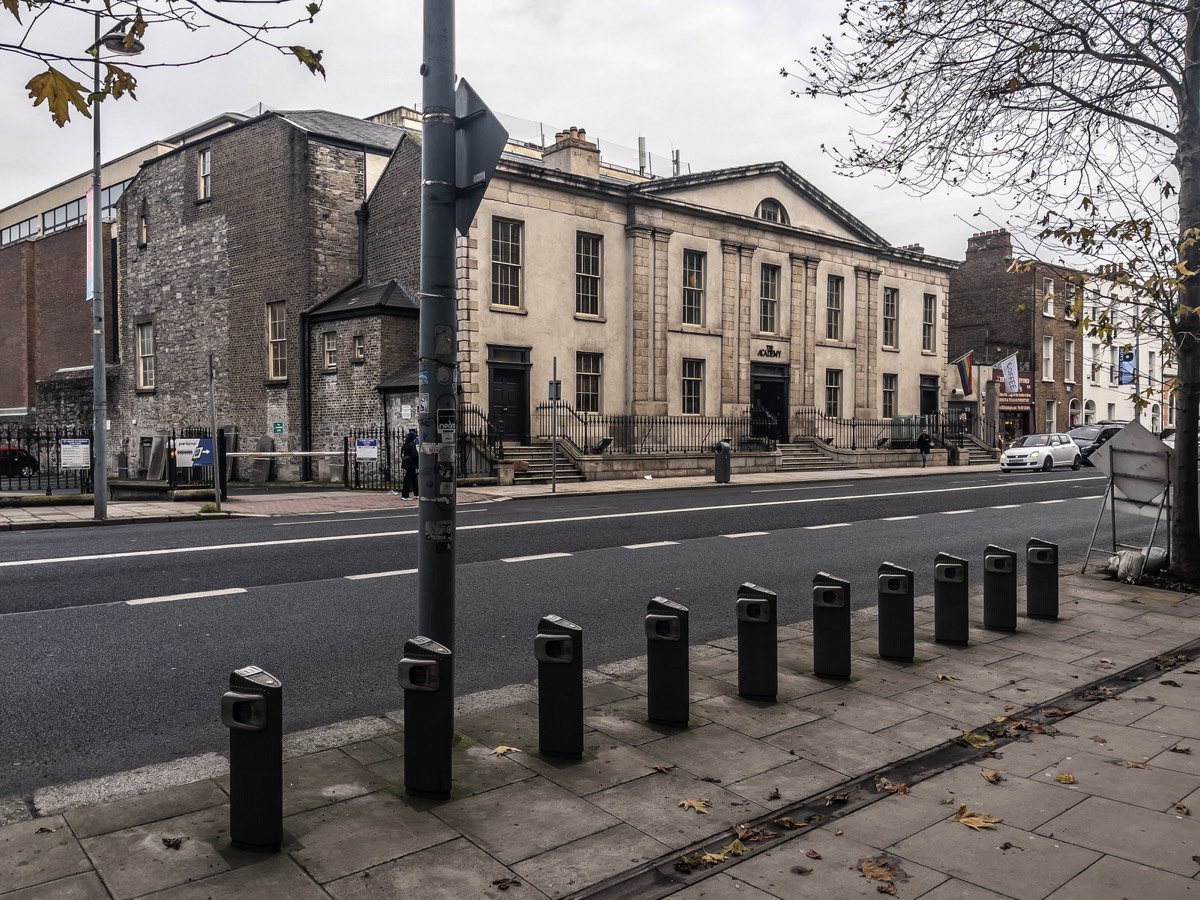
(212, 429)
(554, 431)
(99, 385)
(437, 400)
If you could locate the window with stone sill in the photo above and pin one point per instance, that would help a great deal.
(144, 339)
(359, 350)
(277, 341)
(329, 350)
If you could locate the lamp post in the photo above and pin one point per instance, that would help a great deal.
(115, 42)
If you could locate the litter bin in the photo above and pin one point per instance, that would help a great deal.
(721, 449)
(252, 710)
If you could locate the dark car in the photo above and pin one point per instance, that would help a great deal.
(1091, 437)
(15, 462)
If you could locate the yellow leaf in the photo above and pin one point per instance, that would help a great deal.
(750, 834)
(992, 776)
(733, 848)
(1129, 763)
(942, 676)
(662, 769)
(1065, 778)
(883, 784)
(839, 797)
(711, 859)
(504, 751)
(701, 805)
(59, 94)
(974, 820)
(977, 740)
(310, 58)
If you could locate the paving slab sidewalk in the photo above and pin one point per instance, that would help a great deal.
(611, 825)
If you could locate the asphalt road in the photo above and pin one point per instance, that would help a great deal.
(98, 680)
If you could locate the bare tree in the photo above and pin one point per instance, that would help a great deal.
(222, 27)
(1083, 115)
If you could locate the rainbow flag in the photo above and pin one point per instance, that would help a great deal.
(966, 372)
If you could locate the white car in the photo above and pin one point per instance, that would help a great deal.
(1042, 452)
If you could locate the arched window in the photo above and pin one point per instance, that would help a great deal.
(1073, 413)
(1155, 419)
(1089, 412)
(771, 210)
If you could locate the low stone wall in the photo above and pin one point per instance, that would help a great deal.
(609, 467)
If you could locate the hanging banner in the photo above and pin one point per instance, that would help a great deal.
(1012, 377)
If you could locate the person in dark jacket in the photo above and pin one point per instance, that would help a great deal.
(410, 462)
(923, 444)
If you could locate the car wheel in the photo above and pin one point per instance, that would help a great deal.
(1048, 464)
(1078, 464)
(28, 471)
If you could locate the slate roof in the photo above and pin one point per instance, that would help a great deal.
(403, 379)
(344, 128)
(391, 295)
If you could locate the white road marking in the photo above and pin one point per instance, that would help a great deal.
(195, 595)
(956, 512)
(1008, 506)
(366, 575)
(652, 544)
(833, 525)
(1048, 502)
(747, 534)
(899, 518)
(535, 556)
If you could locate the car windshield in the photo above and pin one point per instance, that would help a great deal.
(1033, 440)
(1085, 433)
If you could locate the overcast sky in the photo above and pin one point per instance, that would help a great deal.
(700, 77)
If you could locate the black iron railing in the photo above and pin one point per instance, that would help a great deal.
(31, 459)
(190, 476)
(947, 428)
(595, 434)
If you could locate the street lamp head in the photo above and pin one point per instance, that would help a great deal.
(118, 41)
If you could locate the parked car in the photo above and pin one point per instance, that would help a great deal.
(1042, 452)
(15, 462)
(1090, 438)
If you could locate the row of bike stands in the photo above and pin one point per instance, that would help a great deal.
(252, 708)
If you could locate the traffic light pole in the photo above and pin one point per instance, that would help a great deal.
(437, 398)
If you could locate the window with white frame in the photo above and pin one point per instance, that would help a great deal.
(588, 260)
(768, 299)
(277, 369)
(358, 351)
(771, 210)
(1112, 411)
(145, 355)
(694, 262)
(834, 289)
(507, 236)
(889, 395)
(1051, 415)
(1069, 361)
(891, 312)
(1047, 296)
(1047, 358)
(588, 369)
(1069, 291)
(833, 393)
(1097, 363)
(928, 319)
(204, 174)
(692, 387)
(1152, 370)
(329, 342)
(1114, 365)
(1155, 419)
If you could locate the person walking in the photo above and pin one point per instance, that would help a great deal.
(410, 462)
(923, 444)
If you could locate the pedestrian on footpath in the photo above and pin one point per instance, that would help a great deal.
(410, 462)
(923, 444)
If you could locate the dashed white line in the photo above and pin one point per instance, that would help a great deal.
(535, 556)
(956, 512)
(195, 595)
(746, 534)
(899, 518)
(1047, 502)
(652, 544)
(367, 575)
(833, 525)
(1007, 506)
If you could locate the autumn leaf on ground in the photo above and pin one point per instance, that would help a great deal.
(838, 833)
(882, 868)
(1182, 809)
(712, 859)
(942, 676)
(974, 820)
(999, 718)
(44, 830)
(750, 833)
(1180, 749)
(949, 801)
(662, 769)
(1098, 739)
(173, 843)
(994, 754)
(1164, 662)
(838, 797)
(1009, 707)
(692, 861)
(883, 784)
(504, 751)
(733, 848)
(801, 870)
(1170, 683)
(789, 823)
(1065, 778)
(701, 805)
(1106, 662)
(1191, 671)
(1131, 764)
(1057, 711)
(505, 883)
(774, 795)
(812, 854)
(978, 741)
(991, 776)
(711, 780)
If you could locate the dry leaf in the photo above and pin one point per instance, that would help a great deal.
(712, 859)
(711, 780)
(749, 834)
(173, 843)
(812, 854)
(1098, 739)
(505, 883)
(941, 676)
(1191, 671)
(838, 797)
(1170, 682)
(789, 823)
(999, 718)
(663, 769)
(1065, 778)
(1009, 707)
(992, 776)
(994, 754)
(733, 848)
(701, 805)
(44, 830)
(974, 820)
(801, 870)
(504, 751)
(1106, 662)
(838, 833)
(949, 801)
(1057, 711)
(978, 741)
(885, 888)
(1131, 764)
(774, 795)
(882, 784)
(885, 869)
(1182, 810)
(1170, 662)
(1180, 749)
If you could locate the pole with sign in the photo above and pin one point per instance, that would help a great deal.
(212, 424)
(555, 396)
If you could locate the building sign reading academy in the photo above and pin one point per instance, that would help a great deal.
(770, 351)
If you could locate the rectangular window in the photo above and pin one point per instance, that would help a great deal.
(1112, 411)
(277, 341)
(360, 348)
(889, 396)
(145, 356)
(110, 196)
(588, 369)
(20, 231)
(1047, 296)
(1069, 361)
(506, 262)
(1114, 365)
(587, 274)
(1151, 370)
(1051, 410)
(693, 287)
(768, 299)
(1097, 363)
(329, 348)
(693, 387)
(204, 175)
(64, 216)
(1069, 292)
(833, 308)
(928, 317)
(1047, 358)
(833, 393)
(891, 310)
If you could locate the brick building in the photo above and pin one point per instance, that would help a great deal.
(996, 312)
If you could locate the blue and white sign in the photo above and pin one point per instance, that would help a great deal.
(192, 452)
(366, 448)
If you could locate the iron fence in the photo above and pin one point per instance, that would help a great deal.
(191, 476)
(756, 429)
(947, 428)
(31, 459)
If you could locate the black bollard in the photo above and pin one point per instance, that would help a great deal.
(1041, 579)
(951, 601)
(426, 674)
(831, 626)
(252, 710)
(758, 642)
(558, 648)
(896, 617)
(668, 687)
(999, 589)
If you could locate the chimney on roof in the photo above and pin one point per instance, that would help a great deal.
(997, 242)
(573, 153)
(915, 248)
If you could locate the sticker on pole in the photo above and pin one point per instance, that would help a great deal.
(366, 448)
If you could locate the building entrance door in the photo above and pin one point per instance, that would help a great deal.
(769, 389)
(508, 403)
